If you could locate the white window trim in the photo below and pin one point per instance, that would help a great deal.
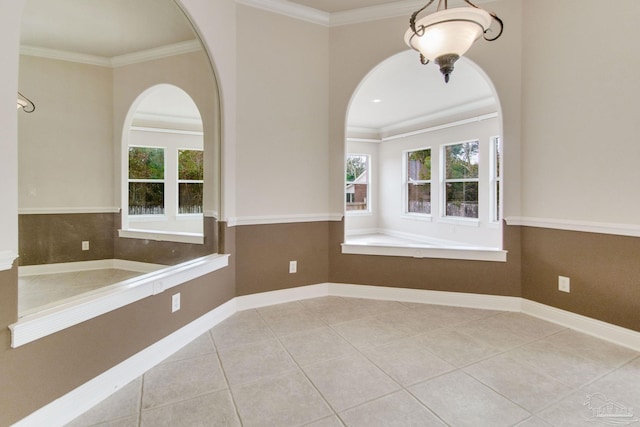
(443, 185)
(171, 191)
(495, 213)
(405, 178)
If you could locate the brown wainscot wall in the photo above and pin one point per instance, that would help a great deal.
(57, 238)
(264, 252)
(604, 270)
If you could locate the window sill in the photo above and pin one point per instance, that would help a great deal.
(77, 310)
(162, 236)
(418, 251)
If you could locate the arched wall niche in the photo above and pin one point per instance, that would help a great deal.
(401, 108)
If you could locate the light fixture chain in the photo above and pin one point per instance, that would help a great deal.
(412, 21)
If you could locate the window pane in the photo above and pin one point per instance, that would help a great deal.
(497, 159)
(357, 181)
(497, 213)
(462, 199)
(419, 165)
(190, 164)
(146, 163)
(462, 160)
(357, 197)
(419, 198)
(356, 167)
(190, 198)
(146, 198)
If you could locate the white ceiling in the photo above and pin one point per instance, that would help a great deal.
(104, 28)
(408, 90)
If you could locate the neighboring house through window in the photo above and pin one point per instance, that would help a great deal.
(357, 183)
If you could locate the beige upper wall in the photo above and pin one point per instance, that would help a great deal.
(356, 49)
(580, 129)
(282, 152)
(65, 155)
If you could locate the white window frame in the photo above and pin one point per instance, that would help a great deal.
(443, 186)
(406, 183)
(185, 181)
(170, 189)
(367, 211)
(496, 179)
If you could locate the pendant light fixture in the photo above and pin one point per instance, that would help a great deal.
(25, 103)
(446, 34)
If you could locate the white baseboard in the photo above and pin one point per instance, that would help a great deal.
(83, 398)
(597, 328)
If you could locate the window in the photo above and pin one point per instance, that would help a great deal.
(146, 181)
(190, 181)
(357, 183)
(418, 181)
(496, 178)
(461, 179)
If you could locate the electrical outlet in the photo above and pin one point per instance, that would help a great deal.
(85, 245)
(293, 266)
(564, 284)
(175, 303)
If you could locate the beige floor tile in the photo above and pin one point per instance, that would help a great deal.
(285, 319)
(286, 400)
(199, 347)
(508, 330)
(455, 347)
(570, 412)
(528, 387)
(334, 310)
(461, 400)
(332, 421)
(213, 409)
(621, 386)
(317, 345)
(592, 348)
(397, 409)
(408, 361)
(534, 422)
(448, 316)
(375, 307)
(255, 361)
(244, 327)
(564, 364)
(181, 380)
(350, 381)
(411, 322)
(122, 404)
(368, 332)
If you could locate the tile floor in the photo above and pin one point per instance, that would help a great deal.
(341, 361)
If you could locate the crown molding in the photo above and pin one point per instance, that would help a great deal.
(156, 53)
(63, 55)
(291, 9)
(374, 13)
(422, 122)
(116, 61)
(336, 19)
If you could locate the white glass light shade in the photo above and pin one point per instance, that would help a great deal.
(21, 103)
(449, 31)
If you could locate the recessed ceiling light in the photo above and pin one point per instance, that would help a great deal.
(376, 101)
